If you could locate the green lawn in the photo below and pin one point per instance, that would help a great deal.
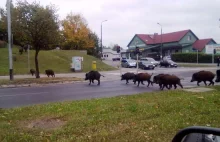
(153, 117)
(59, 61)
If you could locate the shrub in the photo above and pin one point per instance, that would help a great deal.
(192, 57)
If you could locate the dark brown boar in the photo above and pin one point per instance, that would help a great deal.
(32, 71)
(127, 76)
(170, 80)
(49, 72)
(203, 76)
(217, 76)
(143, 77)
(93, 75)
(156, 80)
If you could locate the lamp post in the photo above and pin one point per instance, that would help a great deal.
(101, 34)
(9, 39)
(161, 40)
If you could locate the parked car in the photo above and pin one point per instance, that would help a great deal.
(167, 58)
(168, 63)
(116, 59)
(150, 60)
(128, 63)
(146, 65)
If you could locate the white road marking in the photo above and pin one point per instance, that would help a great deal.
(23, 94)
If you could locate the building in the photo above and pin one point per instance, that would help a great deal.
(109, 54)
(209, 49)
(175, 42)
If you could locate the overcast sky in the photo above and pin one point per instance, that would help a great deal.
(129, 17)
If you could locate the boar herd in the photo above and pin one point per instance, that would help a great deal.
(48, 72)
(163, 80)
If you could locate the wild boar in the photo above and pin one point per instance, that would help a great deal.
(203, 76)
(93, 75)
(49, 72)
(127, 76)
(143, 77)
(32, 71)
(217, 76)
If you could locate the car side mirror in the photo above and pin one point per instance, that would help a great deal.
(198, 134)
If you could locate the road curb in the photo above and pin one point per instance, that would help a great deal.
(37, 85)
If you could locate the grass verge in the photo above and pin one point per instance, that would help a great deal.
(195, 65)
(153, 117)
(59, 61)
(44, 80)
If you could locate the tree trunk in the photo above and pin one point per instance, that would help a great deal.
(36, 64)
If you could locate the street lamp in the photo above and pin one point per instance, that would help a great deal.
(161, 40)
(101, 34)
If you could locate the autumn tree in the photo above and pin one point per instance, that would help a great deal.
(76, 33)
(36, 25)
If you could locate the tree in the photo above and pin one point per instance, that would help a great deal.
(94, 37)
(36, 25)
(76, 33)
(3, 25)
(114, 48)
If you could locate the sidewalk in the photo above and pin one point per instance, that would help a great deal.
(207, 64)
(78, 75)
(115, 75)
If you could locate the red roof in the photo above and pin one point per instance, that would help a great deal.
(200, 44)
(168, 37)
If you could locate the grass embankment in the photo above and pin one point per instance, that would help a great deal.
(45, 80)
(59, 61)
(153, 117)
(195, 65)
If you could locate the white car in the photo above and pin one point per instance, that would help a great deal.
(128, 63)
(150, 61)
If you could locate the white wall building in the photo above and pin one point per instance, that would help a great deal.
(209, 48)
(109, 54)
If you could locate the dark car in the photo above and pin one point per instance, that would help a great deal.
(115, 59)
(168, 63)
(146, 65)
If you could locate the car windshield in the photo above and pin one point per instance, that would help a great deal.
(130, 61)
(150, 59)
(145, 62)
(170, 61)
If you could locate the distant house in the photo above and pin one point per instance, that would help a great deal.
(109, 54)
(181, 41)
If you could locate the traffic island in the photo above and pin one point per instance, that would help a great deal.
(199, 89)
(28, 82)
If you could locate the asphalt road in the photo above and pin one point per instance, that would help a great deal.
(14, 97)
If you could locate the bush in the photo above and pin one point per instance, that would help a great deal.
(192, 57)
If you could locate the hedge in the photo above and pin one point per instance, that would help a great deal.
(192, 57)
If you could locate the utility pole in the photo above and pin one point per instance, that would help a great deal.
(161, 43)
(101, 35)
(197, 56)
(9, 39)
(137, 62)
(120, 63)
(137, 53)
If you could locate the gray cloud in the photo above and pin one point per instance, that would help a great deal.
(128, 17)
